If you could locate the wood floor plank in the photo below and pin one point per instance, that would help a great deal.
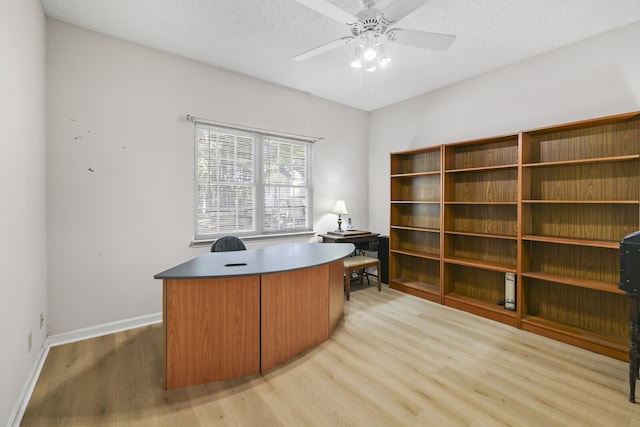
(393, 360)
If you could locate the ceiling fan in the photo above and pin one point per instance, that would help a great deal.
(371, 26)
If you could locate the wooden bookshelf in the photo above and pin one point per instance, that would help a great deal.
(549, 205)
(480, 224)
(580, 190)
(415, 234)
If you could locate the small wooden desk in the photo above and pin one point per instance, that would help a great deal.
(363, 240)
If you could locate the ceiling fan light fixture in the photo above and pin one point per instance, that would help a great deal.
(371, 66)
(370, 54)
(372, 25)
(356, 62)
(370, 51)
(383, 58)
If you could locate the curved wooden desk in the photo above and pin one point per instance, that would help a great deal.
(233, 314)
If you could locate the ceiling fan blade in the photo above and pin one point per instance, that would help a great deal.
(401, 8)
(422, 39)
(330, 10)
(323, 48)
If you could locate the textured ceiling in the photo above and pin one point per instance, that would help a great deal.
(258, 38)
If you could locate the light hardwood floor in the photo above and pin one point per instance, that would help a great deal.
(394, 360)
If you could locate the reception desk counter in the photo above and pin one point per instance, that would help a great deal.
(233, 314)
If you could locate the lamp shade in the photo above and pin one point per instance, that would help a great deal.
(340, 208)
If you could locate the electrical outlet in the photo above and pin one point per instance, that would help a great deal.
(30, 342)
(41, 320)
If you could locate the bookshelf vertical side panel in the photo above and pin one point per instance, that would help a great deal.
(519, 221)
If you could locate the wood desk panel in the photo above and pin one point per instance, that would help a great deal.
(212, 329)
(336, 293)
(295, 307)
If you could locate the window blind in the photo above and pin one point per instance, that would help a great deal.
(249, 183)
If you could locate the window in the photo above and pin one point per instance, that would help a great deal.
(250, 183)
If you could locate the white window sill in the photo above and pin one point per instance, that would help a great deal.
(209, 242)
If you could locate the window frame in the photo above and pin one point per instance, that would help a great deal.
(260, 139)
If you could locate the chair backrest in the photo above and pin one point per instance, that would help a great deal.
(227, 244)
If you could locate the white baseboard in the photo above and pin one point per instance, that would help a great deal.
(23, 399)
(81, 334)
(104, 329)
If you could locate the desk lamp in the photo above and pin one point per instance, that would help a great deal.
(340, 209)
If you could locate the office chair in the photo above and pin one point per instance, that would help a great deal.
(227, 244)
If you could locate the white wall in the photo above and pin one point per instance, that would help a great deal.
(23, 291)
(120, 165)
(593, 78)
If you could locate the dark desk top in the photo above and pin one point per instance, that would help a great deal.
(349, 235)
(273, 259)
